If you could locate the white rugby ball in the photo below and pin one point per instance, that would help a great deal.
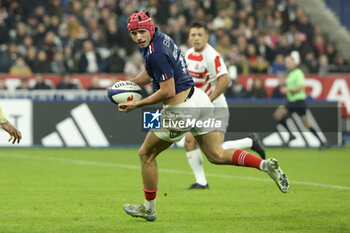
(124, 91)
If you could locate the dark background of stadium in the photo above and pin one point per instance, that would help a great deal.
(126, 129)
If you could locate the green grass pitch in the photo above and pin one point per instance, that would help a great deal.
(83, 191)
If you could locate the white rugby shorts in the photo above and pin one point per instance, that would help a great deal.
(198, 107)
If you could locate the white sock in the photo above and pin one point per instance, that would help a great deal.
(238, 144)
(195, 160)
(150, 205)
(263, 166)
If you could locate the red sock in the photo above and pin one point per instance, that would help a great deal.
(243, 158)
(150, 194)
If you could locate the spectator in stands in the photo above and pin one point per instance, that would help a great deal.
(236, 90)
(81, 36)
(304, 25)
(40, 33)
(323, 67)
(331, 53)
(115, 63)
(90, 59)
(20, 67)
(40, 83)
(177, 32)
(319, 45)
(283, 46)
(50, 26)
(264, 50)
(77, 8)
(24, 84)
(50, 45)
(278, 92)
(190, 9)
(32, 23)
(8, 57)
(24, 46)
(341, 65)
(174, 11)
(97, 37)
(55, 22)
(21, 32)
(3, 84)
(76, 30)
(57, 8)
(4, 32)
(224, 45)
(39, 11)
(133, 66)
(42, 65)
(222, 20)
(270, 24)
(233, 55)
(112, 33)
(257, 90)
(242, 64)
(58, 65)
(31, 57)
(278, 65)
(251, 54)
(69, 59)
(67, 83)
(299, 45)
(310, 63)
(63, 35)
(260, 66)
(106, 14)
(95, 84)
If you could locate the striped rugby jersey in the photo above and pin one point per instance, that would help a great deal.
(205, 67)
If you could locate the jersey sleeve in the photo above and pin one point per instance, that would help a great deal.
(217, 65)
(161, 67)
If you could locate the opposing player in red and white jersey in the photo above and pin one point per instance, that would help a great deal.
(209, 72)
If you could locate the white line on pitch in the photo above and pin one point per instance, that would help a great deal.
(126, 166)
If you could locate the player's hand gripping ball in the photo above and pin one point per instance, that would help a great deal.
(124, 91)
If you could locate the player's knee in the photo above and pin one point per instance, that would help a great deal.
(215, 157)
(144, 154)
(147, 156)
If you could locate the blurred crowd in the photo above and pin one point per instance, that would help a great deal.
(90, 36)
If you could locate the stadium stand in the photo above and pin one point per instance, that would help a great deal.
(251, 34)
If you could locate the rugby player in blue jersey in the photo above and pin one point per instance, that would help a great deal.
(173, 86)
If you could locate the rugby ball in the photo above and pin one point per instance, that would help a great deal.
(124, 91)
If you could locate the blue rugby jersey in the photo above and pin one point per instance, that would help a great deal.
(164, 60)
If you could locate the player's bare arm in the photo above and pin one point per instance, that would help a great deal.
(141, 79)
(165, 93)
(221, 86)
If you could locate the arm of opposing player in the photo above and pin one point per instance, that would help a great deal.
(222, 83)
(15, 134)
(166, 91)
(141, 79)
